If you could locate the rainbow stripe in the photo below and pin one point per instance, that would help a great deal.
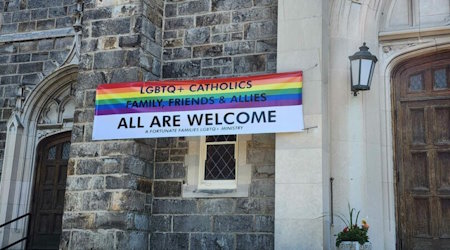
(284, 89)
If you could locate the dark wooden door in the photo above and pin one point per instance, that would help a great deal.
(48, 194)
(422, 146)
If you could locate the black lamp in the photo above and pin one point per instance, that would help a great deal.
(362, 65)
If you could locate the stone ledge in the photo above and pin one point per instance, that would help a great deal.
(386, 36)
(36, 35)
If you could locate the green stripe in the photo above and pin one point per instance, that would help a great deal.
(227, 95)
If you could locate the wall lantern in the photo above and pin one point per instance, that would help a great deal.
(362, 64)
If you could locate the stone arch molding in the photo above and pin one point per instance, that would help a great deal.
(48, 110)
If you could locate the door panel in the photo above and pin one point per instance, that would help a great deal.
(48, 193)
(422, 146)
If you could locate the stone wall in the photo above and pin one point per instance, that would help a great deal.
(212, 223)
(109, 183)
(205, 38)
(26, 59)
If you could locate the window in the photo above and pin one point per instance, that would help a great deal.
(216, 166)
(218, 162)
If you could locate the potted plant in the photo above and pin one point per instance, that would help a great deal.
(353, 237)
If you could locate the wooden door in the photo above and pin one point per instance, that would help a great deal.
(422, 147)
(48, 194)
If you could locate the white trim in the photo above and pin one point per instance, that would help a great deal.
(243, 172)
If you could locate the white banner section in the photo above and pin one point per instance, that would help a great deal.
(197, 123)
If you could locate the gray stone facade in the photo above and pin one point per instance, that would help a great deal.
(127, 194)
(24, 62)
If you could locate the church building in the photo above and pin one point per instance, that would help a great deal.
(382, 149)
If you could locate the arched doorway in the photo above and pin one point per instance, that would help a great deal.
(421, 99)
(47, 111)
(48, 193)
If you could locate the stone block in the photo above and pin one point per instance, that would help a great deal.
(179, 23)
(142, 222)
(97, 13)
(129, 41)
(172, 43)
(264, 223)
(260, 30)
(167, 188)
(128, 200)
(262, 188)
(30, 67)
(220, 5)
(193, 7)
(254, 14)
(89, 80)
(212, 241)
(235, 48)
(9, 28)
(78, 220)
(160, 223)
(268, 45)
(120, 182)
(39, 56)
(110, 59)
(114, 220)
(255, 206)
(213, 19)
(192, 223)
(63, 22)
(126, 74)
(33, 4)
(39, 14)
(4, 59)
(28, 46)
(26, 26)
(59, 56)
(170, 10)
(174, 206)
(20, 58)
(169, 241)
(99, 239)
(96, 200)
(169, 170)
(208, 51)
(84, 150)
(57, 12)
(21, 16)
(132, 240)
(134, 165)
(220, 38)
(197, 36)
(170, 34)
(73, 201)
(210, 71)
(181, 69)
(233, 223)
(216, 206)
(254, 241)
(64, 43)
(8, 48)
(5, 80)
(265, 2)
(46, 44)
(111, 27)
(249, 64)
(80, 183)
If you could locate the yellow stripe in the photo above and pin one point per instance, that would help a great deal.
(186, 92)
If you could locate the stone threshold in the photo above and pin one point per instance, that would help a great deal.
(36, 35)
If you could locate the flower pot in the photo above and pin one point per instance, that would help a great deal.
(354, 245)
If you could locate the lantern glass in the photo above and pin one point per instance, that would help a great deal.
(355, 72)
(366, 66)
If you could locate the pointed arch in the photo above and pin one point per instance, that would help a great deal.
(25, 131)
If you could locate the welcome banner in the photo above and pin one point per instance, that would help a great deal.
(241, 105)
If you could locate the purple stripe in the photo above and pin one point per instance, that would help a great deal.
(201, 107)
